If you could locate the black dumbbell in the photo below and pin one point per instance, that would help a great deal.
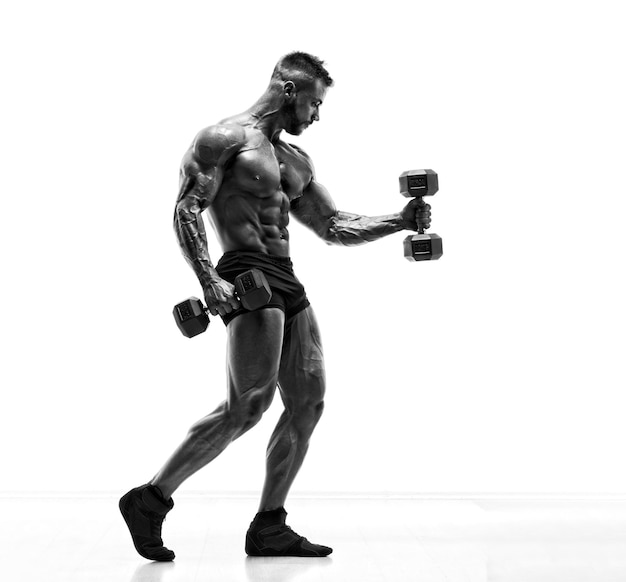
(421, 247)
(252, 288)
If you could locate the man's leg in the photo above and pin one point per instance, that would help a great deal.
(253, 356)
(302, 383)
(302, 386)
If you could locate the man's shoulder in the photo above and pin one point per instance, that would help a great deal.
(221, 134)
(217, 143)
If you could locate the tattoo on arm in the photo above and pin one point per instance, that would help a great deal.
(195, 196)
(201, 178)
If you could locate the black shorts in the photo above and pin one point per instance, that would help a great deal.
(287, 292)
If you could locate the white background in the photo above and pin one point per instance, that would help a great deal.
(497, 369)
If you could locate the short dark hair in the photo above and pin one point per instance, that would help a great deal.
(299, 66)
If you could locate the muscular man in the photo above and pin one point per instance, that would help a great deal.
(250, 180)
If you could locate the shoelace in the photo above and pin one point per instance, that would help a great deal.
(294, 533)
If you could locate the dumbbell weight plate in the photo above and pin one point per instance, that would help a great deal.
(418, 183)
(191, 317)
(253, 289)
(423, 247)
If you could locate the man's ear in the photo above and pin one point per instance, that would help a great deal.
(289, 88)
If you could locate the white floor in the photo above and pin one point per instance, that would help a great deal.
(85, 539)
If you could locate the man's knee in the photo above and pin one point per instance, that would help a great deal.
(235, 418)
(255, 405)
(304, 397)
(317, 411)
(306, 414)
(250, 407)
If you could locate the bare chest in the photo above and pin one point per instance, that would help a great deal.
(263, 170)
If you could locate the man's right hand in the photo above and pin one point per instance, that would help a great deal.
(220, 297)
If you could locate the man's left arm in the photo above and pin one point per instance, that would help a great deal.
(316, 210)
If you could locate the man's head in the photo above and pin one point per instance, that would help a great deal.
(303, 82)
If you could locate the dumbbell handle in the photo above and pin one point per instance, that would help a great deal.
(420, 229)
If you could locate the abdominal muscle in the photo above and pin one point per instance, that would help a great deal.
(250, 221)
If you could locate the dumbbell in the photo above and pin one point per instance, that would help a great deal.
(421, 247)
(252, 288)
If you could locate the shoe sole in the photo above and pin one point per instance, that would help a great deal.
(253, 551)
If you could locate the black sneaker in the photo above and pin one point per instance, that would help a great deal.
(144, 510)
(269, 536)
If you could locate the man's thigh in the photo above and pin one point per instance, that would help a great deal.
(254, 344)
(302, 377)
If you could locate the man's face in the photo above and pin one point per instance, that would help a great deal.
(301, 109)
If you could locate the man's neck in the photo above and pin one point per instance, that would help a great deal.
(266, 115)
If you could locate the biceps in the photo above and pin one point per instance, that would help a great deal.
(315, 208)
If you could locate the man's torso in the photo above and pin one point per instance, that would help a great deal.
(250, 211)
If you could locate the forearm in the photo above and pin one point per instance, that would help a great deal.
(191, 235)
(352, 229)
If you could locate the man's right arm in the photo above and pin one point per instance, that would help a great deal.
(201, 177)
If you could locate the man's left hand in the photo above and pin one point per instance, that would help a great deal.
(416, 214)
